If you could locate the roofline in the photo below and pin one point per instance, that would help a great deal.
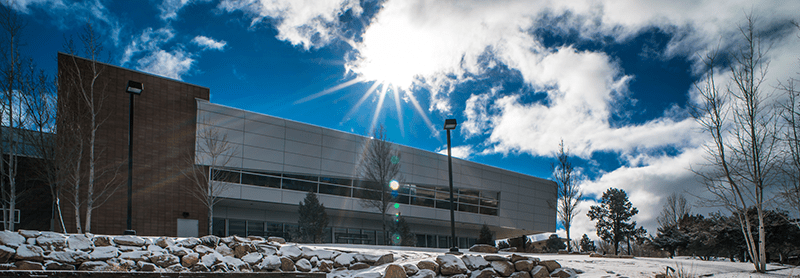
(481, 164)
(136, 71)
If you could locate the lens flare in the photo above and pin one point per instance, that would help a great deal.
(394, 185)
(396, 205)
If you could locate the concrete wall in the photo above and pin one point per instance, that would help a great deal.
(266, 143)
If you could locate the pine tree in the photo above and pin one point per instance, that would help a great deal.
(613, 216)
(313, 219)
(587, 245)
(485, 236)
(554, 243)
(401, 233)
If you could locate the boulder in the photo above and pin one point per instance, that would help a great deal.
(8, 266)
(303, 265)
(287, 264)
(325, 266)
(266, 249)
(358, 266)
(475, 262)
(425, 273)
(291, 251)
(202, 249)
(563, 273)
(385, 259)
(520, 274)
(324, 254)
(29, 233)
(495, 258)
(410, 269)
(551, 265)
(211, 259)
(189, 242)
(12, 239)
(460, 276)
(27, 252)
(155, 249)
(190, 259)
(276, 239)
(104, 253)
(54, 265)
(450, 265)
(224, 250)
(210, 241)
(178, 250)
(524, 265)
(164, 260)
(314, 261)
(164, 242)
(79, 242)
(366, 258)
(93, 266)
(100, 241)
(146, 267)
(199, 268)
(539, 271)
(129, 248)
(255, 238)
(135, 256)
(235, 264)
(28, 265)
(68, 257)
(503, 268)
(369, 274)
(595, 255)
(176, 268)
(484, 273)
(129, 240)
(431, 265)
(344, 259)
(51, 241)
(241, 249)
(252, 258)
(395, 271)
(483, 248)
(515, 258)
(6, 253)
(270, 262)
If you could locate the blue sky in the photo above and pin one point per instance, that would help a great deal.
(614, 79)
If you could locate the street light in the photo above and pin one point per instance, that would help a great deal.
(134, 88)
(450, 124)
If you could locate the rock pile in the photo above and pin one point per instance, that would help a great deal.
(34, 250)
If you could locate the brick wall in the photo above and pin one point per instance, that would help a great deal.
(163, 146)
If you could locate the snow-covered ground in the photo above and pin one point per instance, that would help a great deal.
(591, 267)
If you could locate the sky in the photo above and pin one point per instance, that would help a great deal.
(614, 79)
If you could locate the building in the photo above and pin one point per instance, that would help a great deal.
(278, 161)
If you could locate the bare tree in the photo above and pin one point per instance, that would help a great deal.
(212, 153)
(86, 98)
(743, 157)
(790, 116)
(379, 165)
(569, 193)
(675, 207)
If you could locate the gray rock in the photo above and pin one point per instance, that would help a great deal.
(385, 259)
(270, 262)
(484, 273)
(235, 264)
(28, 252)
(104, 253)
(358, 266)
(12, 239)
(366, 258)
(51, 241)
(128, 248)
(291, 251)
(29, 233)
(475, 262)
(430, 265)
(551, 265)
(495, 258)
(178, 250)
(325, 266)
(28, 265)
(79, 242)
(102, 241)
(211, 259)
(210, 241)
(395, 271)
(129, 240)
(135, 255)
(370, 274)
(425, 273)
(241, 249)
(93, 266)
(68, 257)
(314, 261)
(224, 250)
(563, 273)
(164, 242)
(8, 266)
(6, 253)
(520, 274)
(202, 249)
(287, 264)
(189, 242)
(155, 250)
(410, 269)
(524, 265)
(31, 241)
(190, 259)
(54, 265)
(277, 239)
(483, 248)
(147, 267)
(199, 268)
(303, 265)
(450, 265)
(266, 249)
(539, 272)
(503, 268)
(176, 268)
(344, 259)
(252, 258)
(164, 260)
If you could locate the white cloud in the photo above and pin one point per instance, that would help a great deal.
(463, 152)
(170, 64)
(209, 43)
(69, 14)
(170, 8)
(307, 23)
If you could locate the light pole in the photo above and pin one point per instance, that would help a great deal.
(450, 124)
(134, 88)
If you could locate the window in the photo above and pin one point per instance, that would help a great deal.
(5, 212)
(301, 177)
(226, 176)
(366, 194)
(219, 227)
(299, 185)
(237, 227)
(467, 208)
(255, 228)
(274, 229)
(334, 190)
(261, 180)
(339, 181)
(488, 211)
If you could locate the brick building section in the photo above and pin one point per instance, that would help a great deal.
(163, 146)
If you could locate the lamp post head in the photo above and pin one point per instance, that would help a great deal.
(134, 87)
(450, 124)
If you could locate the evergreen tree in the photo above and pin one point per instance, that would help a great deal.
(313, 219)
(401, 233)
(554, 243)
(613, 217)
(587, 245)
(485, 236)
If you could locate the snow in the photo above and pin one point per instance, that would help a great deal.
(592, 267)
